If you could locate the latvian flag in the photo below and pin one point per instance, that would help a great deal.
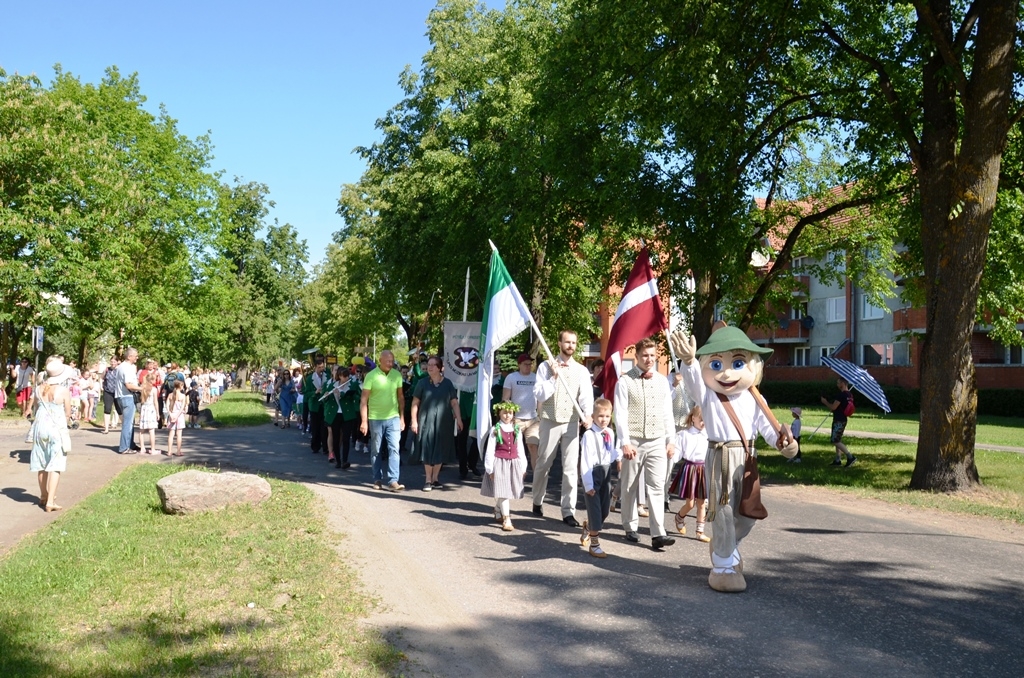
(640, 315)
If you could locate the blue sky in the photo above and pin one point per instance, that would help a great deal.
(286, 90)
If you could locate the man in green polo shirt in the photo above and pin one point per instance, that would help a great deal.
(380, 412)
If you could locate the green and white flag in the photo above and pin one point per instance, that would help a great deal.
(505, 316)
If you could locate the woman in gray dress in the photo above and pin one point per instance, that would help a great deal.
(435, 414)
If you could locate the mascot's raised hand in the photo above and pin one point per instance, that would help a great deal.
(684, 346)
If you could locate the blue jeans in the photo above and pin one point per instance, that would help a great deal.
(127, 422)
(389, 429)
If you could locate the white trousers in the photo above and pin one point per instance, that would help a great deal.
(647, 467)
(551, 435)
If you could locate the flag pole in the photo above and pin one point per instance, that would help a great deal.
(551, 357)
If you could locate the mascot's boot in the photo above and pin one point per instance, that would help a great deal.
(727, 582)
(738, 567)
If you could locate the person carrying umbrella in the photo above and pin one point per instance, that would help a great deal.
(841, 407)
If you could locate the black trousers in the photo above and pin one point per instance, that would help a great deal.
(318, 441)
(342, 433)
(467, 452)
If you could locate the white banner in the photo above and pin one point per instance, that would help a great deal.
(461, 353)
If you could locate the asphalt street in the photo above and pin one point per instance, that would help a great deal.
(837, 586)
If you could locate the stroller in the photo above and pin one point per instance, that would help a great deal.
(76, 406)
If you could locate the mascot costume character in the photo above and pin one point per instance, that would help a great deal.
(723, 380)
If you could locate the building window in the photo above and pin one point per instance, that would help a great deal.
(837, 260)
(869, 311)
(798, 264)
(901, 353)
(1014, 355)
(877, 354)
(836, 311)
(798, 311)
(826, 351)
(802, 356)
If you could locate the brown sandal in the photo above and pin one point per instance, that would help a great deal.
(50, 508)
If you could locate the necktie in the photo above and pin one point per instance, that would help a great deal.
(647, 375)
(607, 440)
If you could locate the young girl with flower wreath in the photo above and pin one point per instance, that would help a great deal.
(504, 463)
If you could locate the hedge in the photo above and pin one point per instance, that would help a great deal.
(1003, 402)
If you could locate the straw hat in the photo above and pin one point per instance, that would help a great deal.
(56, 371)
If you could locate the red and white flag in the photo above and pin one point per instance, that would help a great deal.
(640, 315)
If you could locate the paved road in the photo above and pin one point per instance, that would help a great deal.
(837, 586)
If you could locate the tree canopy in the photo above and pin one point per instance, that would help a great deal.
(114, 231)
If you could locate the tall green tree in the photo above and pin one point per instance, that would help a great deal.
(464, 159)
(934, 85)
(255, 277)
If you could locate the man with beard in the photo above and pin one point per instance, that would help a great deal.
(560, 423)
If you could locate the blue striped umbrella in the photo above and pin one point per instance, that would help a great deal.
(859, 379)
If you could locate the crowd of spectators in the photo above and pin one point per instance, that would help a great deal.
(118, 388)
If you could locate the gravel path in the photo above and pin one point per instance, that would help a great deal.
(837, 586)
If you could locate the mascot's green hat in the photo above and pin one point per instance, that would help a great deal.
(730, 338)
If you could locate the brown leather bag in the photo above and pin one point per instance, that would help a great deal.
(750, 499)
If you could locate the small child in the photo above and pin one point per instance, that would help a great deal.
(175, 413)
(504, 463)
(147, 414)
(598, 452)
(194, 396)
(795, 428)
(692, 445)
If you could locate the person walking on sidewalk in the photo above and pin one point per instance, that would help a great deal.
(380, 413)
(126, 388)
(560, 423)
(841, 408)
(646, 429)
(312, 390)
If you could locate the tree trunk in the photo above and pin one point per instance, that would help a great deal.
(706, 291)
(958, 195)
(541, 279)
(83, 352)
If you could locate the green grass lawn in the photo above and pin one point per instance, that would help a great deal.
(991, 430)
(117, 588)
(883, 471)
(239, 408)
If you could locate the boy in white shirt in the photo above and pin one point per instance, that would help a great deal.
(598, 451)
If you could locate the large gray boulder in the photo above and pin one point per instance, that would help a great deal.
(193, 491)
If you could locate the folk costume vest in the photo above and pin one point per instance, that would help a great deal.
(506, 449)
(558, 407)
(645, 415)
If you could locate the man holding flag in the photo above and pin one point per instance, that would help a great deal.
(563, 391)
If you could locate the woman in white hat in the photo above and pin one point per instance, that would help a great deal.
(51, 442)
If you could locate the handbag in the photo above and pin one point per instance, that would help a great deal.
(750, 497)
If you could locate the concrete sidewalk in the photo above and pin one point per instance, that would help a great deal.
(837, 586)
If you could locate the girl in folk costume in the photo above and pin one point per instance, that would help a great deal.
(504, 463)
(177, 403)
(689, 482)
(724, 383)
(147, 414)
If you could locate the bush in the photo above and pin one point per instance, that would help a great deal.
(1002, 402)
